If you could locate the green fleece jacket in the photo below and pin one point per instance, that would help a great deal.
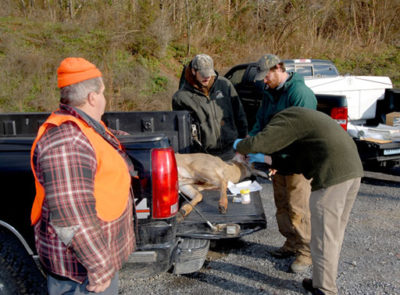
(219, 114)
(315, 144)
(294, 92)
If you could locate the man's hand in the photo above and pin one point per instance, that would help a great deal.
(99, 287)
(272, 172)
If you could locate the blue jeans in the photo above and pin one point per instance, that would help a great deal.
(56, 286)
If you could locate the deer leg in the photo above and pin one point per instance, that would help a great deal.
(223, 199)
(192, 193)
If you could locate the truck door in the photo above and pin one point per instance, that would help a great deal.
(242, 77)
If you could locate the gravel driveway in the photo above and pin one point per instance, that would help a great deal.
(369, 264)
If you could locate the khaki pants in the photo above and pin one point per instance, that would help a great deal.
(330, 211)
(292, 194)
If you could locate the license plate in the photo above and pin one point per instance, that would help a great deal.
(391, 152)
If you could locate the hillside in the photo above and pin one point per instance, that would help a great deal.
(140, 46)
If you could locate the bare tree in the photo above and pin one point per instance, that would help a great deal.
(188, 27)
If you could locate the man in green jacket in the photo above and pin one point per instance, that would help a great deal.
(291, 190)
(301, 140)
(215, 106)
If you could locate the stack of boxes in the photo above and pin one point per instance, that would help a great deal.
(393, 119)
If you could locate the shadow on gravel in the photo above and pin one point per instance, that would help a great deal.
(380, 182)
(250, 249)
(246, 273)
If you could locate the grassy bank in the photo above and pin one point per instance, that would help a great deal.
(140, 46)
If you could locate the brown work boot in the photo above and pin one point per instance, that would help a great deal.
(301, 263)
(282, 252)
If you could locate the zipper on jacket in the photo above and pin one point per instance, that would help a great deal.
(219, 142)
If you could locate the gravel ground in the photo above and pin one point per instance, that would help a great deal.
(369, 263)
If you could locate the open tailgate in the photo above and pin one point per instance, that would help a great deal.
(377, 151)
(249, 217)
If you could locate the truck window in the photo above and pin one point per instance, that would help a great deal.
(325, 70)
(289, 68)
(305, 71)
(237, 76)
(313, 69)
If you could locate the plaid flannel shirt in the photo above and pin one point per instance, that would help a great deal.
(70, 239)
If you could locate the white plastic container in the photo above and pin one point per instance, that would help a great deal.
(245, 193)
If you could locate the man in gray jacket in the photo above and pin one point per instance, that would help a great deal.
(214, 105)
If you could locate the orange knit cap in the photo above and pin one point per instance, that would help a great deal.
(76, 69)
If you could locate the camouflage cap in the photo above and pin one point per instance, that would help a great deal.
(264, 64)
(204, 64)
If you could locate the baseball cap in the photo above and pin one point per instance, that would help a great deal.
(204, 64)
(73, 70)
(264, 64)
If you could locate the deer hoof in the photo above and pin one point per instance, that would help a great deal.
(179, 217)
(222, 209)
(183, 212)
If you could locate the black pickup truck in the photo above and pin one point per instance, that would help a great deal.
(163, 244)
(371, 153)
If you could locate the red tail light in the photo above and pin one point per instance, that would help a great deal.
(165, 183)
(340, 115)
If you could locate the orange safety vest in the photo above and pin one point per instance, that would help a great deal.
(112, 179)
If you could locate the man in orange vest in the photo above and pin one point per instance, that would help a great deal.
(82, 212)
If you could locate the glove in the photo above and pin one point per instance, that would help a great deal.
(236, 142)
(256, 158)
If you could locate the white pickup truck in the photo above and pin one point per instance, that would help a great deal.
(362, 92)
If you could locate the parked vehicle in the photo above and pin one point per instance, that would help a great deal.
(360, 100)
(162, 243)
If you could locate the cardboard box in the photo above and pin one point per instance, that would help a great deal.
(393, 119)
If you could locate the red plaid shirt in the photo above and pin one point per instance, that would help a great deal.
(70, 239)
